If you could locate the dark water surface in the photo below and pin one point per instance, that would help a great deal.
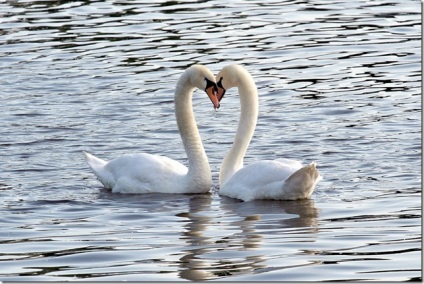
(339, 83)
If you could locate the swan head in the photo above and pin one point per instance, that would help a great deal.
(230, 76)
(202, 78)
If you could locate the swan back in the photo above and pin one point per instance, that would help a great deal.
(272, 180)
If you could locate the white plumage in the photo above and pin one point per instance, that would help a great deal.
(146, 173)
(280, 179)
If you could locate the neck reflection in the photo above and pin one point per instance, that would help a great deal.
(225, 237)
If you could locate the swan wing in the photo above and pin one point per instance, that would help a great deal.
(250, 180)
(139, 173)
(272, 180)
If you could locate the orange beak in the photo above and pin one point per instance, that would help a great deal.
(213, 96)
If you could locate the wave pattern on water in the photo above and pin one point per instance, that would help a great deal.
(339, 83)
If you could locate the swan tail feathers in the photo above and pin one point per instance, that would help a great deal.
(302, 182)
(98, 167)
(93, 161)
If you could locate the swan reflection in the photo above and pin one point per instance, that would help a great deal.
(249, 224)
(193, 267)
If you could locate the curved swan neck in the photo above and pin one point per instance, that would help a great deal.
(233, 161)
(198, 162)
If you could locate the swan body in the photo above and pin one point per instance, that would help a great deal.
(280, 179)
(147, 173)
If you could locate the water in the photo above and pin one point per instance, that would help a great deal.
(339, 83)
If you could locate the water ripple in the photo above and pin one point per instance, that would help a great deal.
(339, 83)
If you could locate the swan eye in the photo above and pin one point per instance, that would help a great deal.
(221, 89)
(209, 84)
(219, 84)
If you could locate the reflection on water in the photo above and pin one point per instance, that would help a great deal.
(191, 265)
(339, 83)
(239, 252)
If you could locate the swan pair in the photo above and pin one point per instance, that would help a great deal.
(280, 179)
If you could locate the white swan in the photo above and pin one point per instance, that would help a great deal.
(146, 173)
(280, 179)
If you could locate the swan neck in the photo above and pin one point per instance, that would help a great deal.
(233, 161)
(198, 169)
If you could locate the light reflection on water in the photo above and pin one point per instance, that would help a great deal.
(339, 83)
